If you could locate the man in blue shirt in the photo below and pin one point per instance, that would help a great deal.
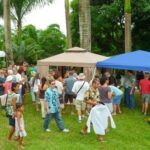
(53, 108)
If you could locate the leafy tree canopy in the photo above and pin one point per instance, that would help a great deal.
(107, 21)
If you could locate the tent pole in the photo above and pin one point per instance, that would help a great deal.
(94, 74)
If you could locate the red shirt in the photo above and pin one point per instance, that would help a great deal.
(145, 86)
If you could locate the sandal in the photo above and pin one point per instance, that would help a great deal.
(101, 140)
(83, 132)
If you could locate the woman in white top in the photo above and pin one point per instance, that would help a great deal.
(35, 87)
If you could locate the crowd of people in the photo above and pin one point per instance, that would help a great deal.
(52, 94)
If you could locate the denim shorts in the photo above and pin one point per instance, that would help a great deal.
(117, 99)
(11, 121)
(146, 98)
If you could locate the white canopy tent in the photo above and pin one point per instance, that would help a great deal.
(75, 57)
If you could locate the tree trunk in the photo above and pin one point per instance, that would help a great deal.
(7, 30)
(19, 30)
(85, 24)
(127, 32)
(128, 41)
(69, 38)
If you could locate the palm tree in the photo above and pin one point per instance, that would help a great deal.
(127, 25)
(19, 8)
(69, 38)
(85, 24)
(7, 30)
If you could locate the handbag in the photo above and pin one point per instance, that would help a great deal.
(74, 95)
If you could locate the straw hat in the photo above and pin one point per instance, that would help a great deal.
(81, 76)
(9, 78)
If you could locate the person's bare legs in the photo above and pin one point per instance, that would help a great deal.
(11, 132)
(114, 109)
(79, 115)
(21, 145)
(145, 108)
(119, 109)
(84, 129)
(83, 114)
(72, 108)
(23, 99)
(100, 137)
(64, 109)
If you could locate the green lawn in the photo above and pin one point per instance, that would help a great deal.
(132, 133)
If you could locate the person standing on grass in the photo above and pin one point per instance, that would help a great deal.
(60, 88)
(105, 93)
(36, 85)
(11, 108)
(33, 73)
(129, 84)
(19, 125)
(91, 98)
(116, 100)
(52, 107)
(144, 86)
(68, 84)
(79, 88)
(42, 89)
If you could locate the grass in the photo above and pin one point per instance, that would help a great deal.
(132, 133)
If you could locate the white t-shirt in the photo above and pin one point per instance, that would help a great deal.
(36, 85)
(77, 85)
(18, 77)
(59, 86)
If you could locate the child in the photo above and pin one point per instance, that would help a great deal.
(19, 124)
(117, 95)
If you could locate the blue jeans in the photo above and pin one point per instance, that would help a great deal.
(129, 99)
(57, 118)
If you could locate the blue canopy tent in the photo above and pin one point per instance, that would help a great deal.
(138, 60)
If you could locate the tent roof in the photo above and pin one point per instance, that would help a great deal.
(137, 60)
(2, 54)
(76, 57)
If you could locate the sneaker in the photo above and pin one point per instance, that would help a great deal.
(48, 130)
(65, 130)
(120, 112)
(83, 117)
(21, 147)
(114, 114)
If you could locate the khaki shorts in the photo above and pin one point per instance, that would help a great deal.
(146, 98)
(80, 105)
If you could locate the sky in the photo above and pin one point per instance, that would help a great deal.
(42, 17)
